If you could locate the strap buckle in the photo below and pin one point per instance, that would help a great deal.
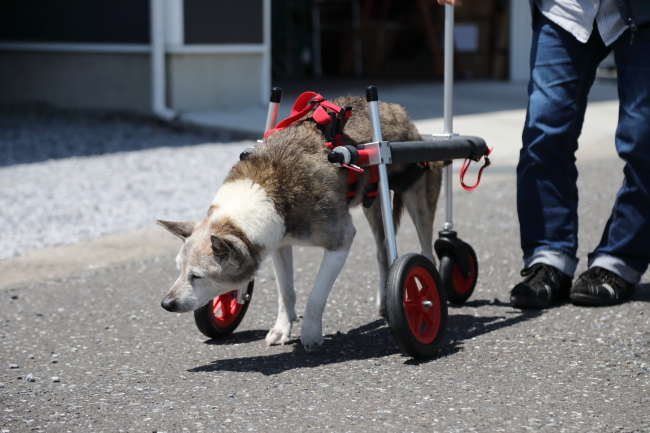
(312, 100)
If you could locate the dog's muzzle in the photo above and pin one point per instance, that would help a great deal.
(169, 304)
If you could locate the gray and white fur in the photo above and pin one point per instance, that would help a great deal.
(286, 193)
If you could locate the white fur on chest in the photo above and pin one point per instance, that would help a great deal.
(250, 208)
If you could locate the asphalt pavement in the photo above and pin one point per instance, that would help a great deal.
(88, 348)
(106, 358)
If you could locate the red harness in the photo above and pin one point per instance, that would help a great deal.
(305, 103)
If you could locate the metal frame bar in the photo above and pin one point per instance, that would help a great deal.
(384, 192)
(448, 111)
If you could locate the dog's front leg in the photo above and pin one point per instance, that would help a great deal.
(312, 327)
(283, 264)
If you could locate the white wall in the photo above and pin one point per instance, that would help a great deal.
(520, 39)
(214, 81)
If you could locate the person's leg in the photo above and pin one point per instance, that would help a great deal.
(562, 72)
(624, 249)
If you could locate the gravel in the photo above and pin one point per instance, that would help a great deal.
(68, 176)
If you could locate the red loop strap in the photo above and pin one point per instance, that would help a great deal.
(465, 167)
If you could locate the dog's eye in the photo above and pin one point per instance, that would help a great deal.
(193, 277)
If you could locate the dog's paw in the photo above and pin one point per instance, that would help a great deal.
(312, 346)
(279, 335)
(312, 337)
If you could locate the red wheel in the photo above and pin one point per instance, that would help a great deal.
(416, 306)
(225, 310)
(221, 316)
(458, 288)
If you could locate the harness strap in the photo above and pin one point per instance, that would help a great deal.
(303, 105)
(333, 122)
(465, 167)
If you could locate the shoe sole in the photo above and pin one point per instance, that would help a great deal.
(594, 301)
(524, 302)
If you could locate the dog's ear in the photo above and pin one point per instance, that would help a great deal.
(182, 230)
(227, 249)
(221, 247)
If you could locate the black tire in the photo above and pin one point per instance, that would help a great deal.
(204, 316)
(418, 337)
(457, 288)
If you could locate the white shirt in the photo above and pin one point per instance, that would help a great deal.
(578, 16)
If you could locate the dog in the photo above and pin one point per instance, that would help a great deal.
(286, 193)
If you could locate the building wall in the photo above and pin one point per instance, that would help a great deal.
(521, 37)
(120, 81)
(213, 81)
(81, 54)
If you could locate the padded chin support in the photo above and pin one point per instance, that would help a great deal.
(439, 149)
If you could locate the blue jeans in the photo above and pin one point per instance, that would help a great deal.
(562, 72)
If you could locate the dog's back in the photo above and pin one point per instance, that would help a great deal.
(309, 192)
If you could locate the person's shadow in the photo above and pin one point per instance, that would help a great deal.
(370, 341)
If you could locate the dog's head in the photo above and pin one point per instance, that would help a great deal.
(213, 260)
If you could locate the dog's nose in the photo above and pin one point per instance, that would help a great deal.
(168, 303)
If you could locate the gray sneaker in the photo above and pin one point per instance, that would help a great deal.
(598, 286)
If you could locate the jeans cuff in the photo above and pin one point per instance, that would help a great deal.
(616, 265)
(559, 260)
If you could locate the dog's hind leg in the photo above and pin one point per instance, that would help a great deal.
(333, 261)
(375, 220)
(283, 265)
(420, 201)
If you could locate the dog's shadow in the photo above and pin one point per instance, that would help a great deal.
(370, 341)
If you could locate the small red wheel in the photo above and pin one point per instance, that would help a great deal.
(416, 306)
(458, 288)
(221, 316)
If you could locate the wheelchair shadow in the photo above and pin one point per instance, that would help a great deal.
(369, 341)
(462, 327)
(248, 336)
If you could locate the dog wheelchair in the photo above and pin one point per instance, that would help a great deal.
(416, 293)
